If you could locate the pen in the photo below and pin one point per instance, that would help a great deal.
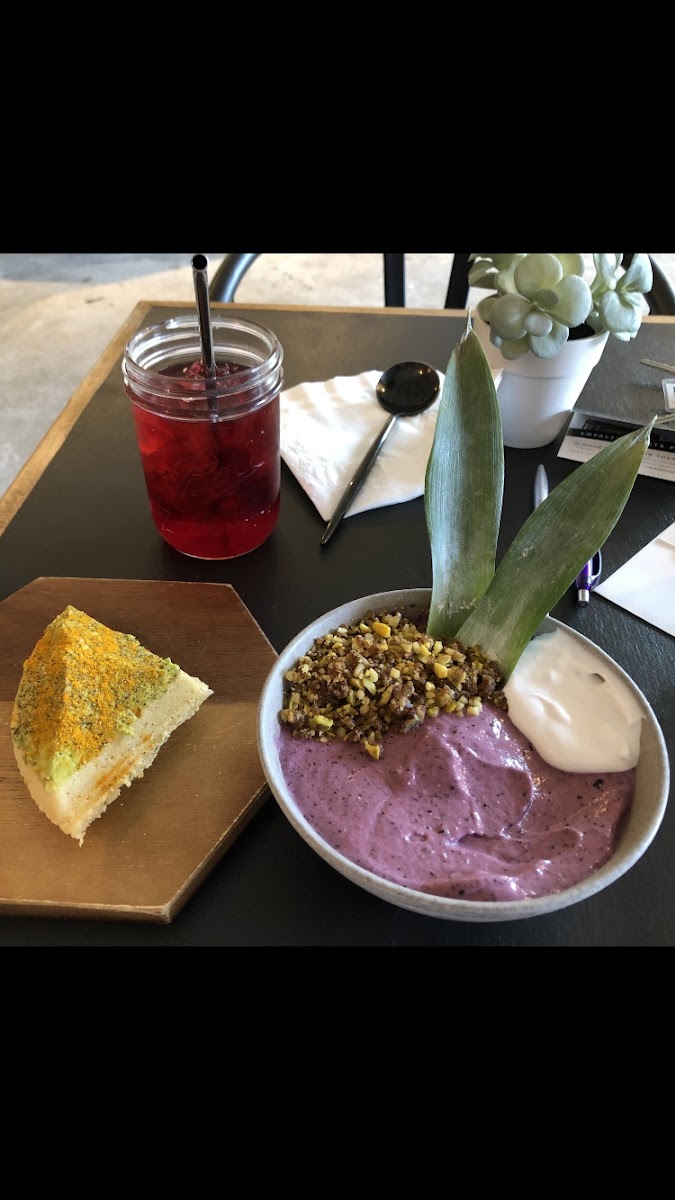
(540, 491)
(589, 575)
(587, 579)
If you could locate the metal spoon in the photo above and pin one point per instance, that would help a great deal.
(403, 390)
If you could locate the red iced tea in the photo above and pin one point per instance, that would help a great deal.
(213, 479)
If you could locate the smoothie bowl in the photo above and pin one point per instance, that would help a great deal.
(454, 750)
(459, 816)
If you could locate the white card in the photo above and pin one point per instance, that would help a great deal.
(587, 434)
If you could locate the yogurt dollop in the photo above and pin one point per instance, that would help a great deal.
(577, 716)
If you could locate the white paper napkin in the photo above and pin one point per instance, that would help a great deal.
(328, 427)
(645, 585)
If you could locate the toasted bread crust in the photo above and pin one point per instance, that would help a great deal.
(92, 711)
(86, 794)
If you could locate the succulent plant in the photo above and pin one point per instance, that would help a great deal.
(538, 298)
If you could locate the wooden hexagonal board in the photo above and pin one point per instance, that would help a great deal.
(148, 853)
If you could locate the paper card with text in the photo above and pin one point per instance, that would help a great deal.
(586, 435)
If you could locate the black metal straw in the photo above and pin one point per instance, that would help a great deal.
(200, 275)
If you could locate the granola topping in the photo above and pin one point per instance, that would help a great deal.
(384, 674)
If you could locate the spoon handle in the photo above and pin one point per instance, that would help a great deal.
(356, 482)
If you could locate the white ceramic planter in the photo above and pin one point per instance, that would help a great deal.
(537, 395)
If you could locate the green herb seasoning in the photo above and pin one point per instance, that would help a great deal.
(83, 685)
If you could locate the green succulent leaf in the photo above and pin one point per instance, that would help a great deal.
(500, 261)
(513, 348)
(572, 264)
(537, 271)
(507, 316)
(464, 487)
(574, 301)
(619, 314)
(607, 268)
(550, 549)
(505, 282)
(548, 346)
(479, 277)
(485, 306)
(538, 323)
(639, 277)
(545, 298)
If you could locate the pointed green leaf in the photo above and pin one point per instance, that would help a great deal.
(550, 549)
(464, 487)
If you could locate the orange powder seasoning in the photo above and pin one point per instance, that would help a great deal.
(82, 685)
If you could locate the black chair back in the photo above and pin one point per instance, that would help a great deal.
(229, 274)
(661, 298)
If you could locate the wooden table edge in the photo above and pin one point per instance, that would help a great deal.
(47, 448)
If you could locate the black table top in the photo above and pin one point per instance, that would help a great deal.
(87, 515)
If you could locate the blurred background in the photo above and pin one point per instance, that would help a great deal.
(58, 313)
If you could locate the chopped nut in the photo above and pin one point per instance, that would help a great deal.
(359, 683)
(380, 628)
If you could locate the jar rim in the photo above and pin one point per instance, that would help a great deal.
(259, 354)
(190, 324)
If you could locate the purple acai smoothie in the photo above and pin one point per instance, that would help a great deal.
(461, 807)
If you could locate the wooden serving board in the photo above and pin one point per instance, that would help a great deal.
(148, 853)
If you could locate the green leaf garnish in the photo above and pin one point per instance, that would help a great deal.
(500, 611)
(550, 549)
(464, 487)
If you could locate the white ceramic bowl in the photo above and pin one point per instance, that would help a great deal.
(639, 829)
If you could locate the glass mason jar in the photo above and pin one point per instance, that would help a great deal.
(209, 447)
